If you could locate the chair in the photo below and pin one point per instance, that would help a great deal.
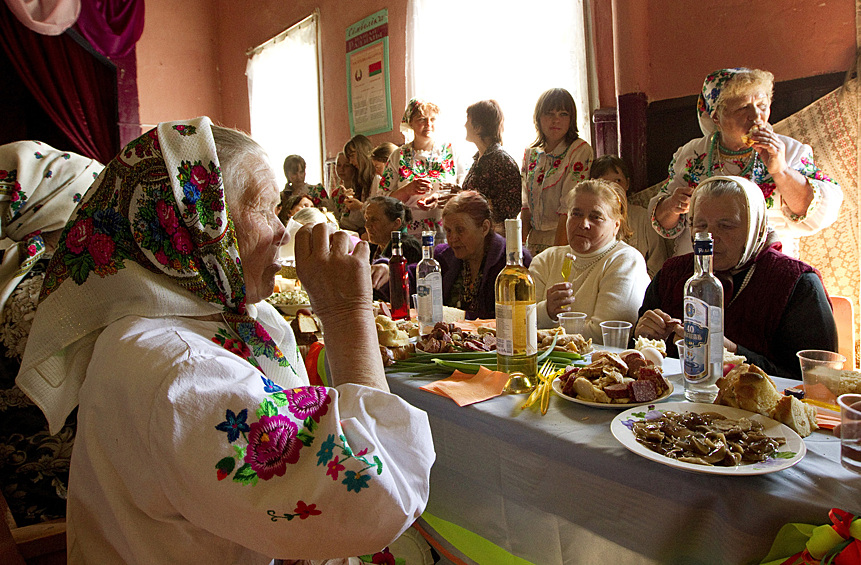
(37, 544)
(844, 319)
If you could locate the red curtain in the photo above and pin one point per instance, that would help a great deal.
(77, 89)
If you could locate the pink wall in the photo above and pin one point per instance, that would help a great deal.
(684, 40)
(177, 62)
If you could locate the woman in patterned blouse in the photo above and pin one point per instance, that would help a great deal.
(493, 173)
(552, 165)
(419, 169)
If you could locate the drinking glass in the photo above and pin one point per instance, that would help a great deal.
(572, 322)
(616, 333)
(850, 431)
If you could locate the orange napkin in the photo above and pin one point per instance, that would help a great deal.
(467, 389)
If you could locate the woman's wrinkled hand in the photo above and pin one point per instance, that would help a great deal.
(560, 297)
(337, 281)
(680, 201)
(657, 324)
(379, 275)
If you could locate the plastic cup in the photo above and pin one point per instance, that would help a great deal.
(850, 431)
(572, 322)
(616, 333)
(820, 371)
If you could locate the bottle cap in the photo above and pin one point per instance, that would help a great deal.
(396, 236)
(512, 233)
(427, 239)
(703, 243)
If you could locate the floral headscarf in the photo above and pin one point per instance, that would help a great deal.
(39, 189)
(707, 101)
(152, 238)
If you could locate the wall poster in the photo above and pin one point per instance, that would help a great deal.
(368, 90)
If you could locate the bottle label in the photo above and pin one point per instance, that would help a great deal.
(429, 296)
(696, 339)
(516, 329)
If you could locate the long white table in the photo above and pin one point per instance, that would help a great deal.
(561, 489)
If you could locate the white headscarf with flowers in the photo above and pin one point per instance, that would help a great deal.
(39, 189)
(152, 238)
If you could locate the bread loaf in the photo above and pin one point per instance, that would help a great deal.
(748, 387)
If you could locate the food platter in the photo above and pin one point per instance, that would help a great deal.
(788, 454)
(557, 388)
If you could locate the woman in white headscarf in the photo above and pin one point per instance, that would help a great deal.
(39, 188)
(774, 305)
(199, 438)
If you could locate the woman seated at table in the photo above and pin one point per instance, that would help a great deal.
(358, 152)
(420, 168)
(193, 406)
(608, 277)
(552, 165)
(643, 238)
(383, 215)
(294, 170)
(774, 305)
(39, 189)
(734, 107)
(493, 173)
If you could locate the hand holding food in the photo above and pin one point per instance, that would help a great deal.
(771, 149)
(657, 324)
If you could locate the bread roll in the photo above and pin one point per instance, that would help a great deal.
(797, 415)
(756, 392)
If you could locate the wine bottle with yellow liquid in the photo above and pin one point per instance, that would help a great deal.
(516, 316)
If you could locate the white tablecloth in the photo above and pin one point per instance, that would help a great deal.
(561, 489)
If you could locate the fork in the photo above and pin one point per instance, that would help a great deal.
(546, 374)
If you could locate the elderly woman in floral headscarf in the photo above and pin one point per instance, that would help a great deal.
(39, 189)
(774, 305)
(199, 437)
(734, 107)
(418, 169)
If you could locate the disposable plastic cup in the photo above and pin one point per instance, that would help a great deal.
(821, 373)
(616, 333)
(850, 431)
(572, 322)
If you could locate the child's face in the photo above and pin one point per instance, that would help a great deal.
(615, 175)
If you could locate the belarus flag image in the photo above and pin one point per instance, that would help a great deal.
(375, 68)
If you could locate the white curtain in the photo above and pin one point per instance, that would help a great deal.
(283, 91)
(463, 51)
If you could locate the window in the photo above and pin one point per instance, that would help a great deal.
(284, 95)
(463, 51)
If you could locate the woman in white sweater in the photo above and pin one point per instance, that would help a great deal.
(607, 278)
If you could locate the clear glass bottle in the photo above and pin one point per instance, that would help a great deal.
(399, 281)
(428, 287)
(516, 316)
(703, 319)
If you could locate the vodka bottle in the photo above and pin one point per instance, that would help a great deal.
(428, 287)
(399, 281)
(516, 316)
(703, 318)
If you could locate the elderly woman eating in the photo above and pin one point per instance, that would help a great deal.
(199, 439)
(774, 305)
(608, 277)
(734, 107)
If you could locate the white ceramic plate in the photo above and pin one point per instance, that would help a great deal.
(557, 388)
(788, 454)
